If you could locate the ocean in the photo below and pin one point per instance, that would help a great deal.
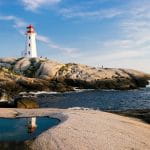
(98, 99)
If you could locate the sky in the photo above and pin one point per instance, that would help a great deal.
(112, 33)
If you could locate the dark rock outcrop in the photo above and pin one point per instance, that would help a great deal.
(143, 114)
(26, 102)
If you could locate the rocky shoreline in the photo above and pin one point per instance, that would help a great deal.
(36, 74)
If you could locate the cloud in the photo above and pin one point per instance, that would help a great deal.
(130, 48)
(134, 42)
(118, 51)
(43, 38)
(65, 50)
(90, 14)
(90, 9)
(33, 5)
(136, 26)
(17, 22)
(119, 58)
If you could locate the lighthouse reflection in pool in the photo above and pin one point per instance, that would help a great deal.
(31, 124)
(22, 129)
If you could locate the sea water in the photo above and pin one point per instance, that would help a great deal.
(98, 99)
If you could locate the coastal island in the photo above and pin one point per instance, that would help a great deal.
(38, 74)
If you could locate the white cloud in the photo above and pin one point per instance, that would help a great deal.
(131, 49)
(119, 58)
(43, 38)
(65, 50)
(89, 14)
(35, 4)
(17, 22)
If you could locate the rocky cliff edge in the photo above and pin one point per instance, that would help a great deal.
(36, 74)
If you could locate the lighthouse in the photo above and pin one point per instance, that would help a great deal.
(30, 48)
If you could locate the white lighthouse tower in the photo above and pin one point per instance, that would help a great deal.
(30, 50)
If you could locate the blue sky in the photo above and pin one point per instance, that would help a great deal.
(112, 33)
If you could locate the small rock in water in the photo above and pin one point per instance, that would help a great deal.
(28, 103)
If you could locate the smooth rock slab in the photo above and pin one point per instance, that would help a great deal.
(89, 130)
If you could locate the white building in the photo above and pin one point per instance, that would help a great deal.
(30, 50)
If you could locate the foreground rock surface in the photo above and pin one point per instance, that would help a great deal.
(86, 130)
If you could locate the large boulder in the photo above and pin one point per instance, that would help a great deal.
(48, 69)
(37, 67)
(8, 60)
(22, 65)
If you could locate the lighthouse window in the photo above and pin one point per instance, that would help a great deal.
(29, 45)
(29, 52)
(29, 37)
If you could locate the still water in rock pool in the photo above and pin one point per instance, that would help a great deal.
(21, 129)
